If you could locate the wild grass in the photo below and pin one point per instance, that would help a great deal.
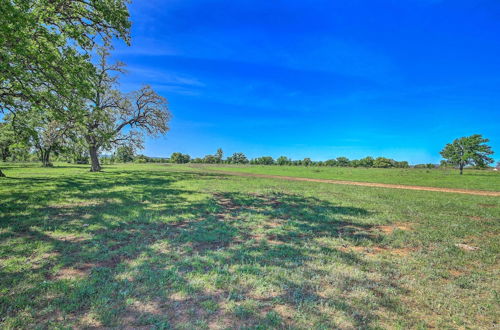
(446, 178)
(167, 247)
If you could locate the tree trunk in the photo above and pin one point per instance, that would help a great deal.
(461, 169)
(5, 154)
(1, 174)
(46, 158)
(94, 158)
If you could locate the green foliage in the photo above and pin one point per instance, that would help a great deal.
(428, 165)
(7, 139)
(382, 162)
(331, 162)
(210, 159)
(468, 150)
(366, 162)
(343, 162)
(402, 164)
(44, 47)
(266, 160)
(179, 158)
(219, 155)
(238, 158)
(125, 154)
(283, 160)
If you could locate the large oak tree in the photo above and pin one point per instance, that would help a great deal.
(111, 118)
(45, 47)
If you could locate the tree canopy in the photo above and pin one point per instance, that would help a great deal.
(468, 150)
(45, 46)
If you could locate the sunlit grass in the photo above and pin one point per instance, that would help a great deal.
(447, 178)
(168, 246)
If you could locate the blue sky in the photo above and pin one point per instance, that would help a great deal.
(319, 79)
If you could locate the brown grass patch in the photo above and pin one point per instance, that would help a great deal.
(486, 205)
(389, 229)
(456, 273)
(376, 250)
(73, 273)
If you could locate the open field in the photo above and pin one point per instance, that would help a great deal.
(176, 247)
(445, 178)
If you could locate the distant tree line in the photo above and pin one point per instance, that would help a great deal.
(78, 154)
(241, 158)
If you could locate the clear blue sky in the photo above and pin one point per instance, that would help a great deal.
(319, 79)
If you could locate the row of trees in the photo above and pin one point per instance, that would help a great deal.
(58, 91)
(465, 151)
(241, 158)
(75, 153)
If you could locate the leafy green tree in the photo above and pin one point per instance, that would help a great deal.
(111, 118)
(307, 162)
(44, 131)
(210, 159)
(7, 139)
(125, 154)
(282, 160)
(238, 158)
(266, 160)
(366, 162)
(401, 164)
(331, 162)
(219, 155)
(468, 150)
(179, 158)
(45, 46)
(343, 162)
(382, 162)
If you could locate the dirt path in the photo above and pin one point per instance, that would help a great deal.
(366, 184)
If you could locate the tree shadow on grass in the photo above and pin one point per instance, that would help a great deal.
(136, 250)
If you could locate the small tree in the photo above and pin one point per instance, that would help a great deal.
(366, 162)
(125, 154)
(402, 164)
(219, 155)
(331, 162)
(266, 160)
(468, 150)
(382, 162)
(210, 159)
(238, 158)
(179, 158)
(343, 162)
(283, 160)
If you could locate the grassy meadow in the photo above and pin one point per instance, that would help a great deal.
(169, 246)
(445, 178)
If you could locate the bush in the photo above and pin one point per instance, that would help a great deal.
(266, 160)
(179, 158)
(238, 158)
(282, 160)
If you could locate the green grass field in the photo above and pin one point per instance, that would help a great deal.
(446, 178)
(160, 246)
